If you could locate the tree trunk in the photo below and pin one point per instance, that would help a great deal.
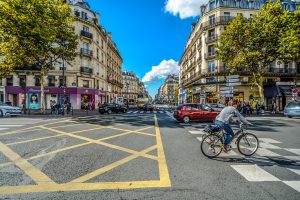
(260, 86)
(42, 93)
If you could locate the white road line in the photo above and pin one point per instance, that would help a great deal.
(10, 125)
(141, 111)
(229, 154)
(269, 140)
(3, 129)
(183, 124)
(295, 151)
(254, 173)
(293, 184)
(268, 146)
(295, 158)
(197, 132)
(161, 112)
(135, 111)
(199, 138)
(295, 169)
(266, 153)
(129, 112)
(154, 112)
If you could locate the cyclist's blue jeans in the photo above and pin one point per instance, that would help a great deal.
(228, 131)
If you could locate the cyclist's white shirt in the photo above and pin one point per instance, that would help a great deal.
(227, 113)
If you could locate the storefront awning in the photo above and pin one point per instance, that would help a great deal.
(278, 91)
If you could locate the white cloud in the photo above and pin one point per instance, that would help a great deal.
(165, 68)
(184, 8)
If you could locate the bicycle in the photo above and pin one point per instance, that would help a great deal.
(213, 142)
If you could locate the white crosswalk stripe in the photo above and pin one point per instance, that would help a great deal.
(295, 151)
(129, 112)
(293, 184)
(254, 173)
(161, 112)
(135, 112)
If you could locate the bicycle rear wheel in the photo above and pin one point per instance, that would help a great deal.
(211, 145)
(248, 144)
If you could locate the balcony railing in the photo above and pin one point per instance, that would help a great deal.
(210, 55)
(86, 34)
(86, 70)
(218, 20)
(281, 70)
(211, 38)
(86, 52)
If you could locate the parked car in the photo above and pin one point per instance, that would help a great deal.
(195, 112)
(148, 106)
(292, 109)
(110, 108)
(216, 106)
(6, 110)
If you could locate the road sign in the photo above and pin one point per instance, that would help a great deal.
(227, 92)
(234, 84)
(233, 77)
(226, 88)
(233, 80)
(226, 95)
(295, 90)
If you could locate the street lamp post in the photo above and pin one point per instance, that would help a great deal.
(64, 44)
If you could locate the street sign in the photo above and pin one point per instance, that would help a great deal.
(226, 95)
(226, 88)
(227, 92)
(233, 80)
(234, 84)
(233, 77)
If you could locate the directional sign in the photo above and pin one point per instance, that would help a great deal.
(227, 92)
(233, 80)
(226, 95)
(226, 88)
(233, 77)
(234, 84)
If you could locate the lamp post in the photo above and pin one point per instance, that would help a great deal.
(63, 45)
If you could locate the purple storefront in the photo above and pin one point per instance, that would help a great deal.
(78, 97)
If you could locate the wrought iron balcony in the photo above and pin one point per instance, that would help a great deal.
(86, 70)
(210, 55)
(86, 52)
(211, 38)
(86, 34)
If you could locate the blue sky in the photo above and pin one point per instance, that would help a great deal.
(146, 34)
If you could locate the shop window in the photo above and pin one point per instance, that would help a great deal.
(10, 81)
(85, 83)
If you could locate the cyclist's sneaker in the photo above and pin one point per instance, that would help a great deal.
(227, 148)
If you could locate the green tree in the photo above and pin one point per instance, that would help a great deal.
(35, 33)
(253, 44)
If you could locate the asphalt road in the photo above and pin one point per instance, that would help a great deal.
(142, 156)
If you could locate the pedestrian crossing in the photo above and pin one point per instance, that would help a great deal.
(271, 163)
(170, 113)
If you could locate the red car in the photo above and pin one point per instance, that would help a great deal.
(195, 112)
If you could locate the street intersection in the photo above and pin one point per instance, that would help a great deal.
(142, 156)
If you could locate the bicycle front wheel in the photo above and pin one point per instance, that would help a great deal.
(248, 144)
(211, 145)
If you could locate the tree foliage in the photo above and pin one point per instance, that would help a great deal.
(35, 33)
(253, 44)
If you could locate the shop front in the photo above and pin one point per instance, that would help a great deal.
(32, 96)
(280, 94)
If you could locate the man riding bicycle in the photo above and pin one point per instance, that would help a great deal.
(223, 120)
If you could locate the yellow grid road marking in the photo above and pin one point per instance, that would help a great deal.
(111, 166)
(72, 186)
(21, 131)
(99, 142)
(162, 163)
(39, 177)
(33, 140)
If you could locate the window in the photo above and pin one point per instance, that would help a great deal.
(84, 15)
(0, 81)
(22, 81)
(192, 107)
(211, 66)
(85, 83)
(211, 34)
(211, 50)
(98, 54)
(205, 108)
(61, 81)
(37, 81)
(86, 29)
(97, 84)
(9, 81)
(51, 81)
(86, 46)
(211, 19)
(102, 44)
(102, 58)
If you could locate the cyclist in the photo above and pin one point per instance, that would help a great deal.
(223, 120)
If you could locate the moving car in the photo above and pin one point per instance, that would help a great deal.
(216, 106)
(6, 110)
(110, 108)
(195, 112)
(148, 106)
(292, 109)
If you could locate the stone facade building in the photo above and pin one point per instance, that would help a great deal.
(203, 77)
(93, 77)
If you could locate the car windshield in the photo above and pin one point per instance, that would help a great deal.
(179, 107)
(206, 107)
(293, 105)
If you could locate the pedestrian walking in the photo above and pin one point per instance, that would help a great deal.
(274, 107)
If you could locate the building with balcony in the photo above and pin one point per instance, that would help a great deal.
(203, 77)
(131, 89)
(94, 76)
(166, 92)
